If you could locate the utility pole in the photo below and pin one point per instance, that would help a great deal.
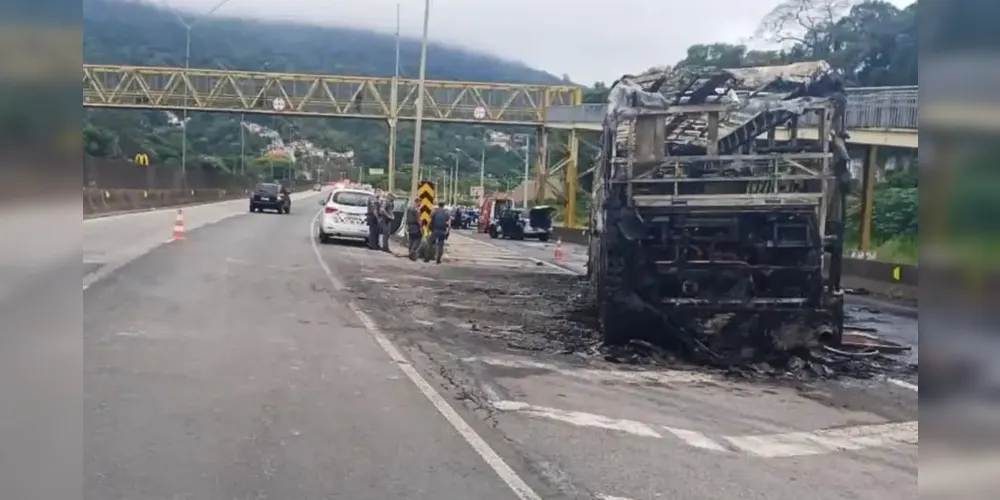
(454, 181)
(527, 167)
(393, 118)
(187, 65)
(421, 89)
(243, 146)
(482, 171)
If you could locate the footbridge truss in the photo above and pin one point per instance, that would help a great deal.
(302, 94)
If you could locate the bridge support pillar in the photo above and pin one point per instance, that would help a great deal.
(542, 189)
(392, 155)
(868, 197)
(572, 172)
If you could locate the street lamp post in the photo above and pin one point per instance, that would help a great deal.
(454, 181)
(243, 145)
(187, 65)
(527, 164)
(393, 118)
(421, 86)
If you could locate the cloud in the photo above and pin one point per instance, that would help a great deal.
(587, 39)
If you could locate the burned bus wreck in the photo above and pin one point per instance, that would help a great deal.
(708, 233)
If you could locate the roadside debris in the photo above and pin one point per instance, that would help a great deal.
(550, 313)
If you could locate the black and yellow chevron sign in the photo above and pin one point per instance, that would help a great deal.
(425, 193)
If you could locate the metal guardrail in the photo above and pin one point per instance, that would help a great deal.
(867, 107)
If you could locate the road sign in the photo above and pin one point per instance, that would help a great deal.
(425, 193)
(376, 171)
(476, 192)
(278, 104)
(479, 113)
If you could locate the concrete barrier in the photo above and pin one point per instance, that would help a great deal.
(98, 201)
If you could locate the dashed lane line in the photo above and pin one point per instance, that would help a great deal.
(853, 438)
(781, 445)
(579, 418)
(904, 384)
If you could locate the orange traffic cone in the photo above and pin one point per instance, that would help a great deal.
(179, 226)
(559, 251)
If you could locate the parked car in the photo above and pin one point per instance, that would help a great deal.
(512, 224)
(344, 215)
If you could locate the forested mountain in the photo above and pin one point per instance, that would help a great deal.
(131, 32)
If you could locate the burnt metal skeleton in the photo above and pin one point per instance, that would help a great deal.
(708, 232)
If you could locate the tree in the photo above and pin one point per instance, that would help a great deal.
(872, 42)
(805, 23)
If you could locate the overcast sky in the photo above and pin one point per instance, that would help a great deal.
(589, 40)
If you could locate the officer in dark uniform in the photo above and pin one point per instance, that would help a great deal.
(371, 217)
(440, 220)
(414, 233)
(385, 217)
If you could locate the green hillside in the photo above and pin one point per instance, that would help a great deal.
(117, 32)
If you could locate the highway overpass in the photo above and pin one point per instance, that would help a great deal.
(876, 116)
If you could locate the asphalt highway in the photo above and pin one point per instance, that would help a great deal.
(251, 362)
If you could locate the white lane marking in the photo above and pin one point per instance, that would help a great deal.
(822, 441)
(789, 444)
(904, 384)
(579, 418)
(601, 496)
(660, 377)
(695, 439)
(481, 447)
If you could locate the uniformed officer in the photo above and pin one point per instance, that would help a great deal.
(414, 233)
(385, 217)
(371, 217)
(440, 220)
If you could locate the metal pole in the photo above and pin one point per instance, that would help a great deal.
(454, 182)
(243, 146)
(482, 171)
(418, 126)
(184, 112)
(393, 119)
(527, 167)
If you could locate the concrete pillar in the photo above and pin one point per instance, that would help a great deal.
(542, 189)
(868, 198)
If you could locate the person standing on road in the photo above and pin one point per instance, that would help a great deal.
(440, 222)
(414, 234)
(371, 217)
(385, 217)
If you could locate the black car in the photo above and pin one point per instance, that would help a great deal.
(270, 196)
(512, 224)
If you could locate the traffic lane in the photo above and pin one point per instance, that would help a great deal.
(226, 366)
(464, 316)
(111, 242)
(862, 312)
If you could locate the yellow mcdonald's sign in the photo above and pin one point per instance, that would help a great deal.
(142, 159)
